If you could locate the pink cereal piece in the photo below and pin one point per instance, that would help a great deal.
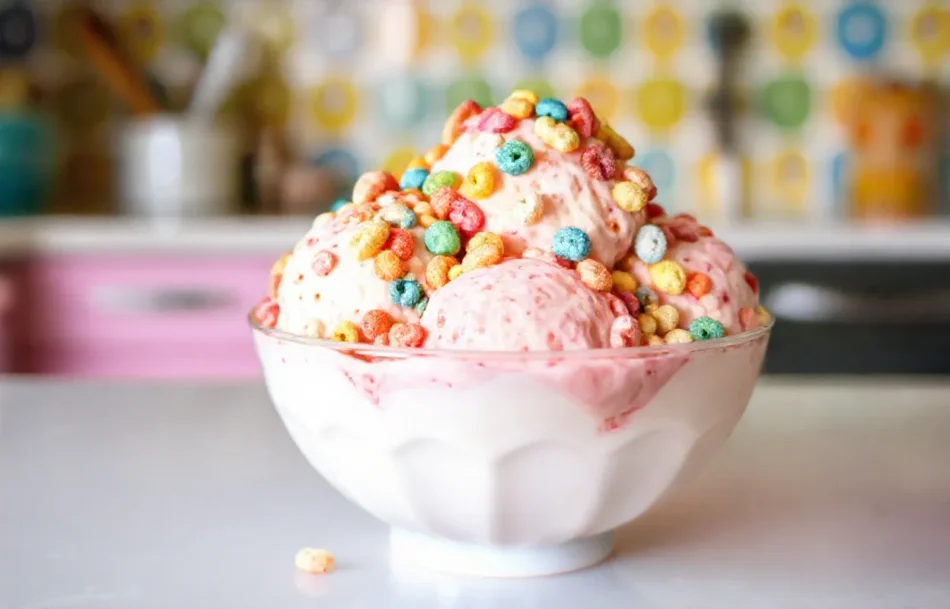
(494, 120)
(372, 184)
(582, 118)
(599, 162)
(748, 318)
(267, 312)
(400, 242)
(565, 264)
(625, 332)
(467, 216)
(641, 179)
(617, 306)
(324, 262)
(630, 301)
(407, 335)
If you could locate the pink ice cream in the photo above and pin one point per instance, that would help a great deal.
(519, 305)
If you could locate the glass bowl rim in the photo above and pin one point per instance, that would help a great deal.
(386, 352)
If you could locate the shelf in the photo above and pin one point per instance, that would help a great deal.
(273, 235)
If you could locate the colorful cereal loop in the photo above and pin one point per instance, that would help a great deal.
(470, 30)
(602, 94)
(601, 29)
(143, 32)
(397, 161)
(661, 103)
(535, 31)
(664, 32)
(333, 104)
(794, 30)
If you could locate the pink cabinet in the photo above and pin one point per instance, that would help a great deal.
(143, 316)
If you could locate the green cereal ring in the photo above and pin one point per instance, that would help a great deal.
(442, 239)
(514, 157)
(440, 179)
(706, 328)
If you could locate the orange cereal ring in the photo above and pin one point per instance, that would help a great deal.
(437, 271)
(388, 266)
(595, 275)
(525, 94)
(435, 153)
(455, 271)
(422, 208)
(310, 560)
(376, 323)
(369, 239)
(372, 184)
(454, 126)
(480, 180)
(482, 256)
(400, 241)
(407, 335)
(484, 238)
(418, 162)
(442, 200)
(698, 284)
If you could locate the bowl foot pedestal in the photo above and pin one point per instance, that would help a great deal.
(493, 561)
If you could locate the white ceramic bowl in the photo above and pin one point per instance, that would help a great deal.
(508, 464)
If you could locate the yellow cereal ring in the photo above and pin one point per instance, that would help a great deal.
(369, 239)
(435, 153)
(620, 147)
(544, 125)
(647, 323)
(530, 208)
(557, 135)
(389, 266)
(678, 336)
(525, 94)
(667, 318)
(624, 281)
(480, 180)
(423, 208)
(346, 332)
(654, 341)
(651, 308)
(480, 257)
(595, 275)
(455, 271)
(485, 238)
(668, 276)
(437, 271)
(518, 107)
(418, 162)
(629, 197)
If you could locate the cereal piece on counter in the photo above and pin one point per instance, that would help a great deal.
(437, 271)
(668, 276)
(624, 281)
(314, 561)
(324, 262)
(698, 284)
(388, 266)
(407, 335)
(376, 323)
(442, 238)
(706, 328)
(346, 332)
(571, 243)
(647, 323)
(514, 157)
(677, 336)
(667, 318)
(595, 275)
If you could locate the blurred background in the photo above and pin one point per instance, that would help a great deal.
(156, 156)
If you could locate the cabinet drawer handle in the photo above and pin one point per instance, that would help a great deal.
(114, 299)
(802, 302)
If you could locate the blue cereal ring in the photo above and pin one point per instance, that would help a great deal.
(405, 292)
(442, 239)
(338, 204)
(514, 157)
(554, 108)
(650, 244)
(408, 219)
(413, 178)
(571, 243)
(706, 328)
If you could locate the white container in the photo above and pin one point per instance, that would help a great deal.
(503, 466)
(171, 167)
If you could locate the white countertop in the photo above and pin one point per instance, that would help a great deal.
(831, 495)
(273, 235)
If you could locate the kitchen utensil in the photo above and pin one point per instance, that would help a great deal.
(225, 66)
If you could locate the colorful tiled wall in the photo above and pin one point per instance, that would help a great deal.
(647, 65)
